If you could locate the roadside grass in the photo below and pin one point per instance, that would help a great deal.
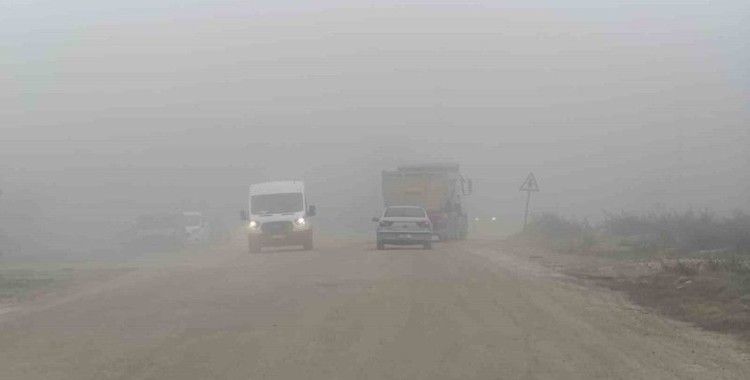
(23, 280)
(19, 284)
(26, 279)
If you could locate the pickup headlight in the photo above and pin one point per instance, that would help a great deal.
(253, 225)
(300, 224)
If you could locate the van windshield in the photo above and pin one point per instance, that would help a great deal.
(276, 203)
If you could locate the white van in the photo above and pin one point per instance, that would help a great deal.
(278, 215)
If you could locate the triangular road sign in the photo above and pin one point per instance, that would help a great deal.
(530, 184)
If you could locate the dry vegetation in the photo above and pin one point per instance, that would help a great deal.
(697, 264)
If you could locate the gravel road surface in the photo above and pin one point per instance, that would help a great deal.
(463, 310)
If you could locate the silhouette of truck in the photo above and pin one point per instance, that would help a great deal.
(439, 188)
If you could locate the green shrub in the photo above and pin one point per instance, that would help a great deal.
(562, 234)
(687, 232)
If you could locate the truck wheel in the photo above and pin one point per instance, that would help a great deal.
(381, 246)
(427, 245)
(308, 244)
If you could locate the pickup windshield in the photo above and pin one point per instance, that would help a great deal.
(276, 203)
(404, 212)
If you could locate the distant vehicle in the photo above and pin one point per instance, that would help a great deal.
(167, 230)
(156, 230)
(404, 225)
(279, 215)
(195, 227)
(438, 188)
(158, 227)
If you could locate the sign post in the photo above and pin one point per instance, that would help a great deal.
(529, 186)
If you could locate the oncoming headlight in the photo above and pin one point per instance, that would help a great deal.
(252, 225)
(300, 221)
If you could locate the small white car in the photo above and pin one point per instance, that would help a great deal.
(404, 225)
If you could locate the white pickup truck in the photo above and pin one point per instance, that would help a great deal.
(195, 227)
(278, 215)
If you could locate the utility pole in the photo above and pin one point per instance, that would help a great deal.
(530, 185)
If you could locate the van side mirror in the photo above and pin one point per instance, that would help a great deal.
(243, 215)
(376, 219)
(311, 210)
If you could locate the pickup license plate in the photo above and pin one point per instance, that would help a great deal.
(404, 236)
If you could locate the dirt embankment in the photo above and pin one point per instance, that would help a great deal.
(709, 296)
(708, 292)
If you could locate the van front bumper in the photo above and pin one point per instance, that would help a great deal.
(282, 239)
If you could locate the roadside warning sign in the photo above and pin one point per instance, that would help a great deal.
(529, 186)
(530, 183)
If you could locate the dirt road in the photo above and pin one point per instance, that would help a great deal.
(345, 311)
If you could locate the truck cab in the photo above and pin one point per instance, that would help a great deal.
(278, 215)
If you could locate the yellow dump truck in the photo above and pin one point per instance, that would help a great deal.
(438, 188)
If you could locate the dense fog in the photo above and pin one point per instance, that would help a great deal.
(110, 112)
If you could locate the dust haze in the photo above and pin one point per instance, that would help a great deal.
(152, 225)
(113, 111)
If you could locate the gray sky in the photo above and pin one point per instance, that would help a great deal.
(615, 105)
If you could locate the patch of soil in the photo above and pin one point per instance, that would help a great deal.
(690, 290)
(703, 299)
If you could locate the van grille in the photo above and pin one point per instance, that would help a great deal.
(276, 227)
